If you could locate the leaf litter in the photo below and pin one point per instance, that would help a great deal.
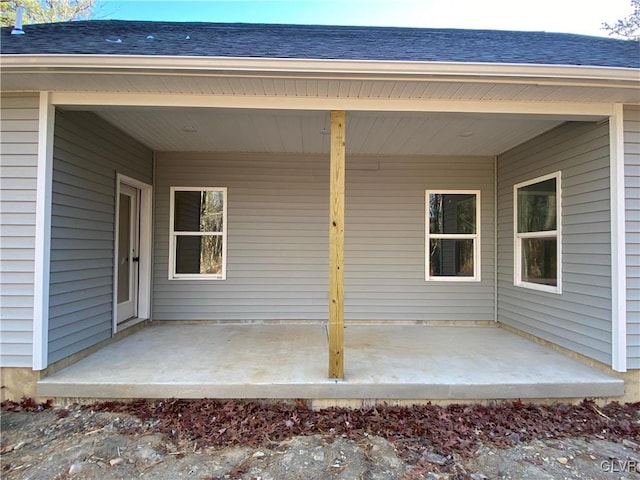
(428, 437)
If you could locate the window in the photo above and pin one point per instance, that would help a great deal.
(452, 235)
(538, 234)
(198, 233)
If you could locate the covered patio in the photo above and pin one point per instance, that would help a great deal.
(249, 204)
(277, 361)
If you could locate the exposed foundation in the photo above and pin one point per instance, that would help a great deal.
(18, 383)
(22, 382)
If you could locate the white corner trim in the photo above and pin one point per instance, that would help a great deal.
(43, 232)
(495, 236)
(618, 246)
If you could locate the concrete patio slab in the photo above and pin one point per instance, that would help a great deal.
(290, 361)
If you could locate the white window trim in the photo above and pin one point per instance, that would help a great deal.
(517, 237)
(172, 236)
(474, 236)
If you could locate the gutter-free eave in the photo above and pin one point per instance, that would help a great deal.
(320, 68)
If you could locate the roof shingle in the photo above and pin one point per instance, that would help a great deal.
(114, 37)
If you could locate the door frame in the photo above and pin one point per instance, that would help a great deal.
(144, 252)
(128, 309)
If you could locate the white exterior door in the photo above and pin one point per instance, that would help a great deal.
(127, 252)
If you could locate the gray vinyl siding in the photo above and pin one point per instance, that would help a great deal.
(385, 241)
(632, 195)
(278, 213)
(277, 209)
(18, 179)
(88, 152)
(580, 317)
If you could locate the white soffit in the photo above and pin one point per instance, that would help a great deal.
(362, 79)
(272, 105)
(305, 132)
(505, 90)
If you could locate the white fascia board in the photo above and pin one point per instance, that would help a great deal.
(373, 69)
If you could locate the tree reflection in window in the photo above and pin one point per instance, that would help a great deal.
(452, 235)
(198, 234)
(537, 233)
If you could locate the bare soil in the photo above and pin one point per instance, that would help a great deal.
(209, 440)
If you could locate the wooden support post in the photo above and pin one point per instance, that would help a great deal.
(336, 245)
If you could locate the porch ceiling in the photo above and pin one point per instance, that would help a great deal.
(280, 105)
(306, 132)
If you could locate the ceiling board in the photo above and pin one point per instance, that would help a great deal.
(305, 132)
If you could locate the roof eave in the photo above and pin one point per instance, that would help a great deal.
(374, 69)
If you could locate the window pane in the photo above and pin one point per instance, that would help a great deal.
(539, 264)
(124, 247)
(199, 211)
(451, 258)
(537, 207)
(452, 213)
(199, 254)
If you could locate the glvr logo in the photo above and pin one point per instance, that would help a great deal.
(620, 466)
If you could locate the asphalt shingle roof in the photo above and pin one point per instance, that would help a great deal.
(114, 37)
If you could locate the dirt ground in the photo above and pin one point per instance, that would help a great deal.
(207, 441)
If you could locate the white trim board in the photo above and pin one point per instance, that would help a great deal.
(42, 264)
(618, 245)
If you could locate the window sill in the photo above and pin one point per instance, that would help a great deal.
(198, 277)
(452, 279)
(540, 288)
